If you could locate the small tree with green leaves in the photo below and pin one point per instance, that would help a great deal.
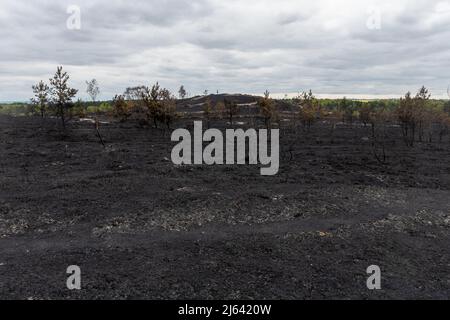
(446, 107)
(422, 100)
(133, 96)
(158, 104)
(79, 109)
(93, 89)
(153, 105)
(412, 115)
(267, 109)
(41, 97)
(182, 92)
(347, 109)
(365, 114)
(207, 111)
(148, 98)
(231, 109)
(167, 106)
(121, 109)
(219, 110)
(61, 94)
(309, 109)
(380, 118)
(406, 117)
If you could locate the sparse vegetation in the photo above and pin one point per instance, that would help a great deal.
(268, 110)
(207, 111)
(182, 92)
(121, 108)
(420, 119)
(219, 110)
(309, 109)
(168, 108)
(151, 104)
(41, 98)
(413, 115)
(61, 94)
(347, 110)
(231, 110)
(93, 89)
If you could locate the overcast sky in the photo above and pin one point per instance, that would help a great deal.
(347, 47)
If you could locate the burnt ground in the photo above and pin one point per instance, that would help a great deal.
(141, 228)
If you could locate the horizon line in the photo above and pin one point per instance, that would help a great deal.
(281, 96)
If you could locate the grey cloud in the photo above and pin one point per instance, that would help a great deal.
(234, 46)
(290, 18)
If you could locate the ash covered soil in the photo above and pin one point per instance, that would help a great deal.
(142, 228)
